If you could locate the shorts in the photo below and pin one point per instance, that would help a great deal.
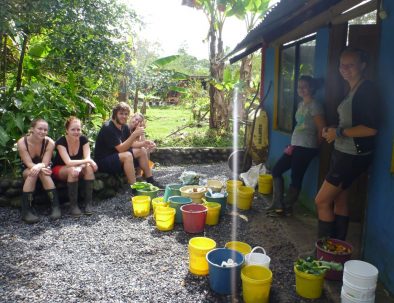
(345, 168)
(112, 165)
(56, 171)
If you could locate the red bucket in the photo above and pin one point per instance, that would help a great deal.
(327, 255)
(194, 216)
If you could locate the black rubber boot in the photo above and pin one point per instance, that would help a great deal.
(290, 200)
(277, 197)
(27, 212)
(73, 197)
(325, 229)
(152, 181)
(341, 227)
(88, 197)
(55, 206)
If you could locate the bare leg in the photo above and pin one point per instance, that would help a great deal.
(126, 159)
(325, 201)
(142, 155)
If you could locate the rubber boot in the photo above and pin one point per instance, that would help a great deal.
(27, 212)
(73, 197)
(54, 199)
(325, 229)
(277, 197)
(88, 197)
(341, 227)
(290, 200)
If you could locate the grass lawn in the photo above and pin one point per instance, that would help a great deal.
(162, 121)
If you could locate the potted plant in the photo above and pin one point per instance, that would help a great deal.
(310, 276)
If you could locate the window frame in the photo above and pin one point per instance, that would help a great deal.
(297, 44)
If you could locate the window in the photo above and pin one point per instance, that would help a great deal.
(296, 58)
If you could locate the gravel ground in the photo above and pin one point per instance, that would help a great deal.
(112, 256)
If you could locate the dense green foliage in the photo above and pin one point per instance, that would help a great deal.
(59, 58)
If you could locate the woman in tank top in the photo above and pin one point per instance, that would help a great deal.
(35, 150)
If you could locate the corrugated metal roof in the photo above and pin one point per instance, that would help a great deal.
(283, 17)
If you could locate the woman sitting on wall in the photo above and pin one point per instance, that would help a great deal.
(35, 150)
(72, 162)
(305, 141)
(148, 146)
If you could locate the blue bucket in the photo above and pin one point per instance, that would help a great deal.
(172, 190)
(176, 202)
(222, 201)
(224, 280)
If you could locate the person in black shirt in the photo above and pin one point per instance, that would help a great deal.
(72, 162)
(35, 151)
(114, 152)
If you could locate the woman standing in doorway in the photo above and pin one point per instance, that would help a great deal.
(305, 142)
(35, 151)
(353, 144)
(72, 162)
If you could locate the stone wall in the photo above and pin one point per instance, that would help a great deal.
(105, 185)
(190, 155)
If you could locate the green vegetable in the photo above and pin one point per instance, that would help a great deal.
(144, 186)
(316, 267)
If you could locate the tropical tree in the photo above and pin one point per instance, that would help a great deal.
(251, 12)
(215, 11)
(59, 58)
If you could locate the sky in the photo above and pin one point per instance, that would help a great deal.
(172, 25)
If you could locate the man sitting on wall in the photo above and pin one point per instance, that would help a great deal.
(114, 153)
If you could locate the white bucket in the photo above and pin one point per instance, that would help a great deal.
(346, 298)
(254, 258)
(358, 292)
(360, 274)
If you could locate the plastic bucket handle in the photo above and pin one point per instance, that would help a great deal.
(258, 247)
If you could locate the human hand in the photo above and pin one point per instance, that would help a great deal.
(47, 171)
(151, 145)
(35, 170)
(75, 171)
(139, 131)
(93, 165)
(329, 133)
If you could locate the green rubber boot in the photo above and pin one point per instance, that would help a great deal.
(27, 212)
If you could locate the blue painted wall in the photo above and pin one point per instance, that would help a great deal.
(379, 229)
(379, 233)
(278, 139)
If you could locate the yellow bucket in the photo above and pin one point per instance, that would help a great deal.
(307, 285)
(141, 206)
(256, 283)
(245, 197)
(165, 218)
(159, 201)
(242, 247)
(265, 184)
(198, 249)
(213, 213)
(232, 186)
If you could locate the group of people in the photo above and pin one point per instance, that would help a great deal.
(120, 148)
(353, 140)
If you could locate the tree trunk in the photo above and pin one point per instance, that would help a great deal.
(136, 99)
(212, 56)
(245, 78)
(20, 63)
(4, 74)
(123, 94)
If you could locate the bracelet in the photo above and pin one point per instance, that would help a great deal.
(339, 132)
